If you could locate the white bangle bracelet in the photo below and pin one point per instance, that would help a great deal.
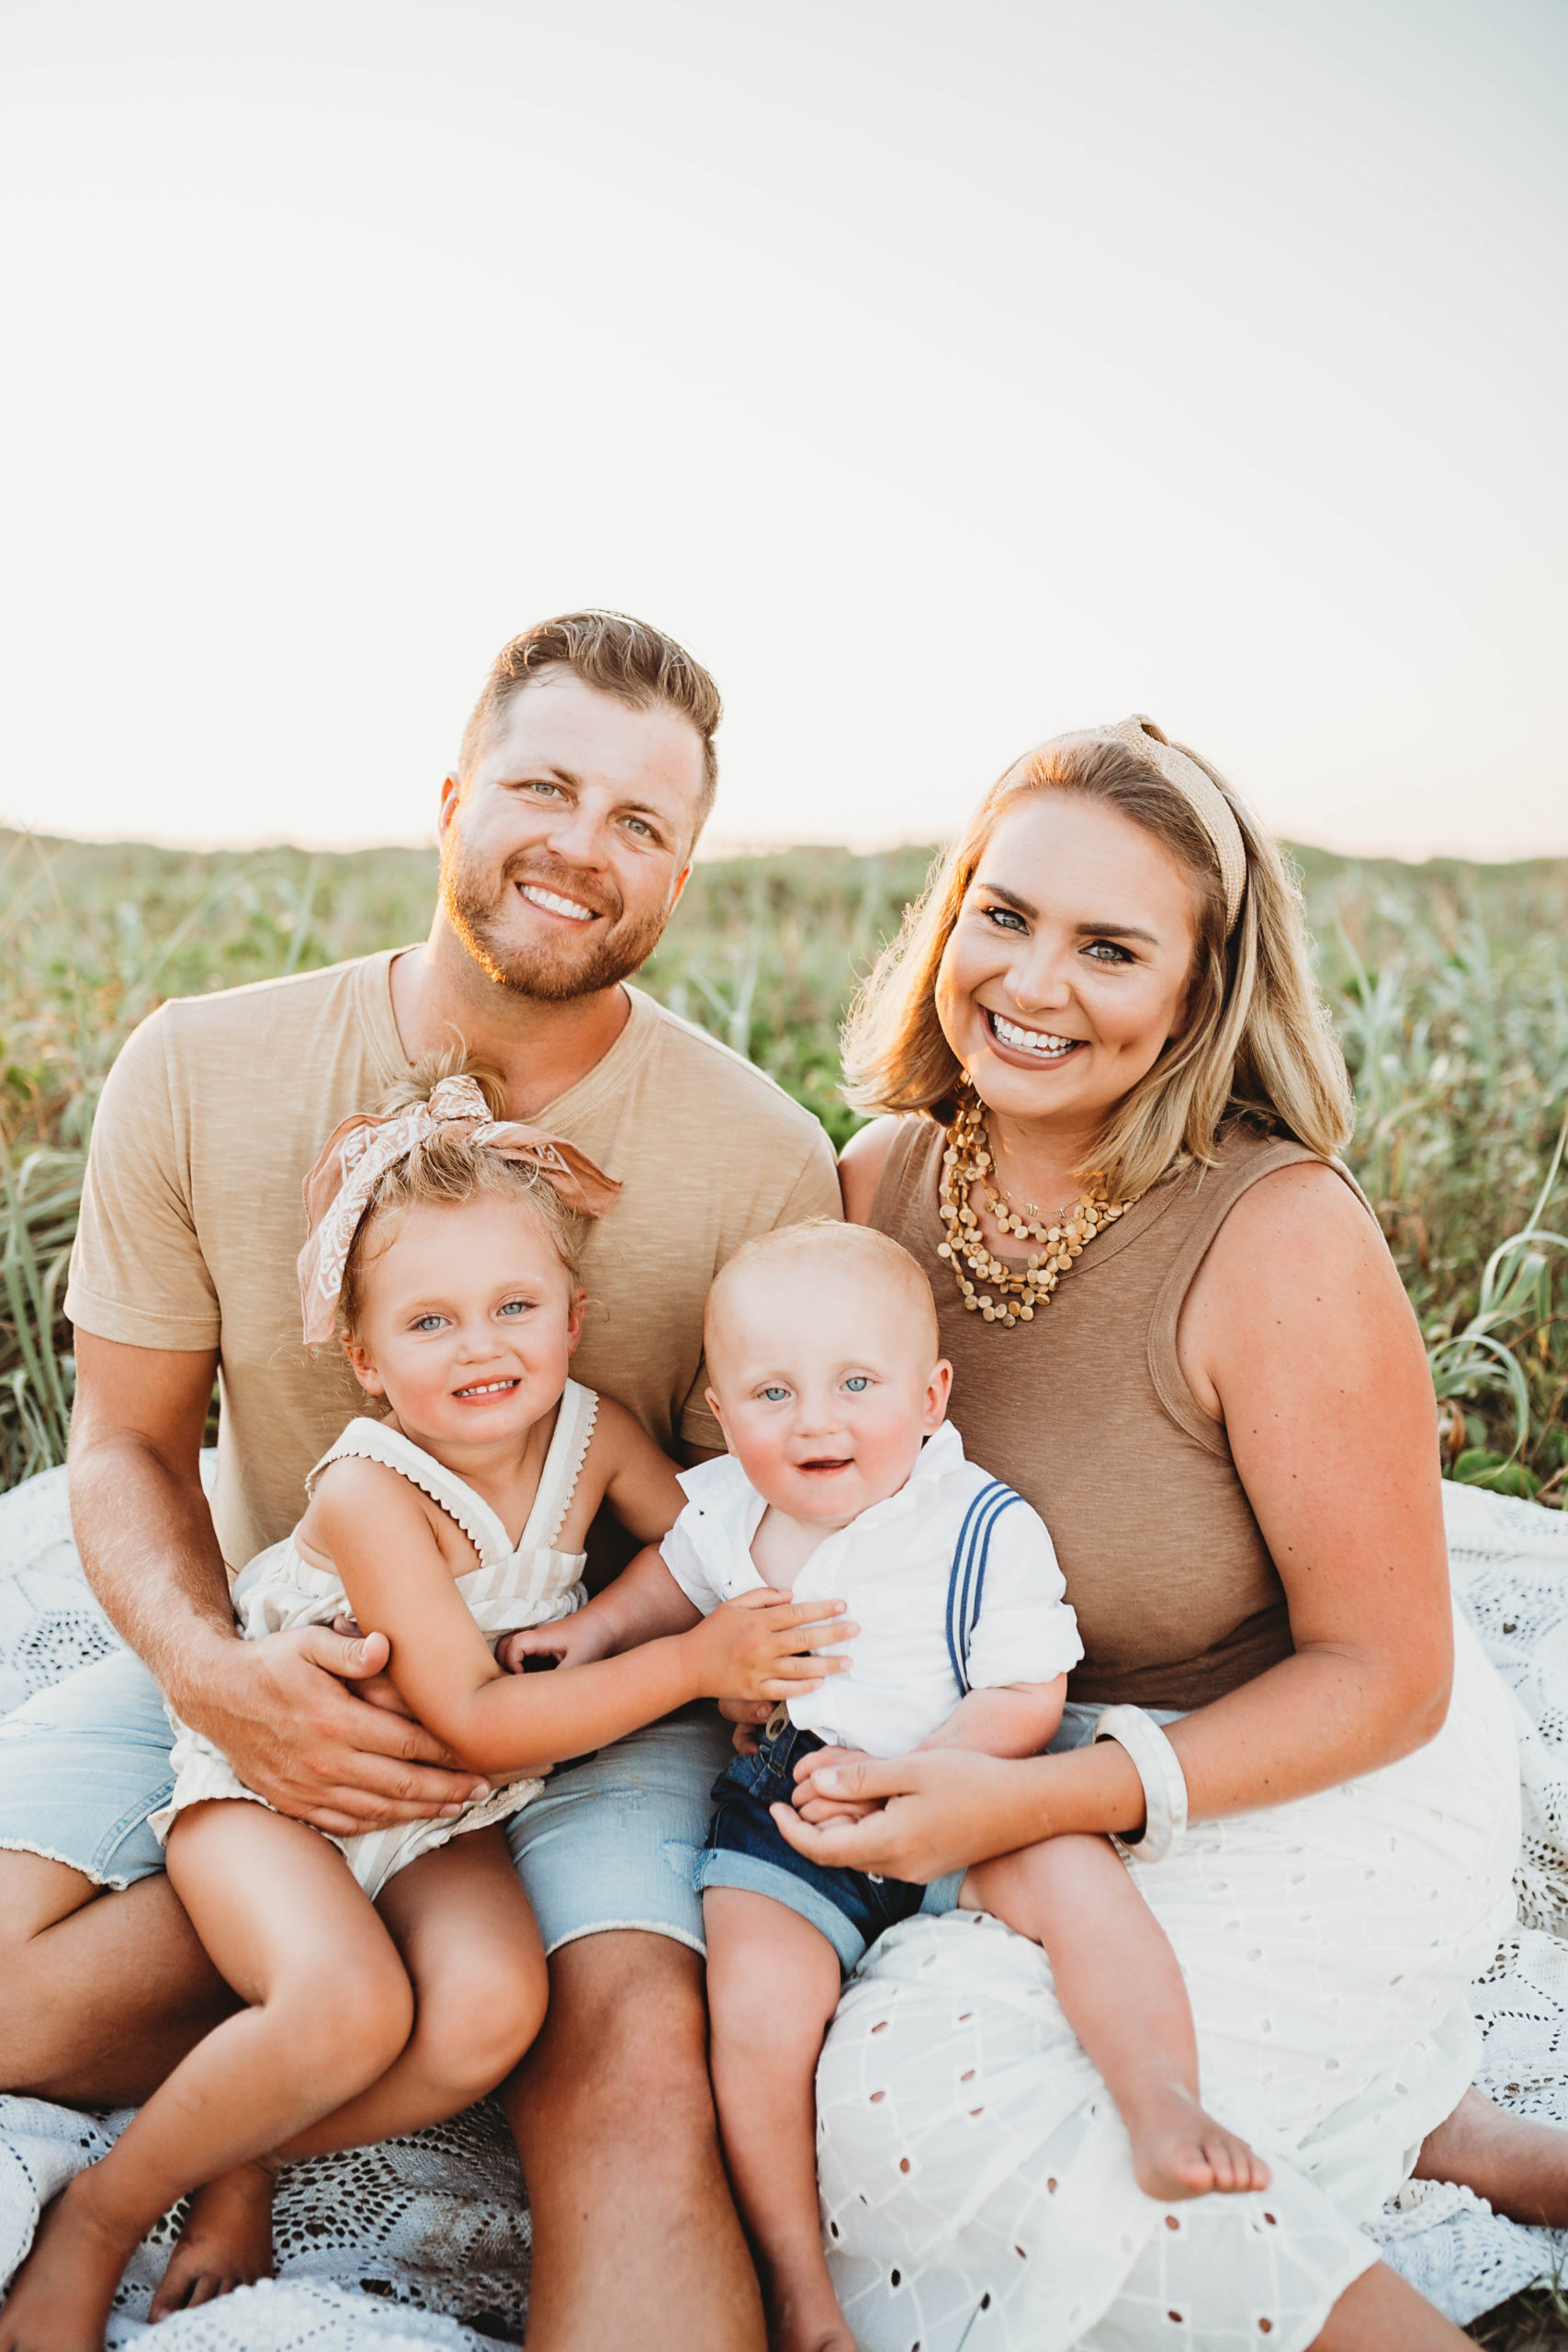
(1159, 1770)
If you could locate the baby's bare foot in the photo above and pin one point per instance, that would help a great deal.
(1180, 2151)
(226, 2242)
(62, 2296)
(809, 2320)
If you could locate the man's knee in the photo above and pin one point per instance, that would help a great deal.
(626, 2026)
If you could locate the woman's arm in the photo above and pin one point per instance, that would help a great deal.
(860, 1164)
(376, 1533)
(1298, 1335)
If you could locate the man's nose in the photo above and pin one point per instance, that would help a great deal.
(577, 833)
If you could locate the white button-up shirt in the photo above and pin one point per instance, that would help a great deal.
(891, 1568)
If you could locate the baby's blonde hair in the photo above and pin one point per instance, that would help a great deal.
(823, 1239)
(446, 1169)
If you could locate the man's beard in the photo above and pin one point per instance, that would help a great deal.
(477, 904)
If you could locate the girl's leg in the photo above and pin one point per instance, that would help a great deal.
(467, 1936)
(1380, 2312)
(1122, 1992)
(772, 1985)
(330, 2008)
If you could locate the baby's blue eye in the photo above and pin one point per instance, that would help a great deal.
(774, 1396)
(857, 1381)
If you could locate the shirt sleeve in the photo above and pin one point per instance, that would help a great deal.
(815, 1193)
(1026, 1632)
(681, 1556)
(137, 1270)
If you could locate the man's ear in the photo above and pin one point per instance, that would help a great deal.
(451, 796)
(679, 892)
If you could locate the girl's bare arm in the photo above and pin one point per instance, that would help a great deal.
(382, 1544)
(1297, 1335)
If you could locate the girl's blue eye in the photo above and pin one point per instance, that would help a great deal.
(514, 1307)
(857, 1381)
(430, 1323)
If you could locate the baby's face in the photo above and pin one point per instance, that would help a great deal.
(824, 1380)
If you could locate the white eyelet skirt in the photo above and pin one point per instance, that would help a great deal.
(976, 2182)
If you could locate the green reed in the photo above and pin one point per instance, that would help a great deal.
(1446, 982)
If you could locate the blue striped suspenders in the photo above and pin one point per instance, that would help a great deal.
(966, 1578)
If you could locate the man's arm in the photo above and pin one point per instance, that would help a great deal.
(277, 1708)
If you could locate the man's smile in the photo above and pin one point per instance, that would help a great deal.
(553, 903)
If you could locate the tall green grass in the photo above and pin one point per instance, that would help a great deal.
(1448, 984)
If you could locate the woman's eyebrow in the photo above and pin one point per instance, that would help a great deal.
(1009, 897)
(1114, 931)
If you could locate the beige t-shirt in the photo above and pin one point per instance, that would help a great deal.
(192, 1218)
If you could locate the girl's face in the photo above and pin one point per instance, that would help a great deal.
(1067, 969)
(468, 1322)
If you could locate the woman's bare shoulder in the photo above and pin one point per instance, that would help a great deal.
(860, 1164)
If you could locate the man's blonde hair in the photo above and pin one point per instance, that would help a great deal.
(824, 1241)
(1257, 1045)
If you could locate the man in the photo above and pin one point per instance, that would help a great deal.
(567, 834)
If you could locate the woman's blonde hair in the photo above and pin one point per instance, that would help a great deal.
(1257, 1045)
(445, 1169)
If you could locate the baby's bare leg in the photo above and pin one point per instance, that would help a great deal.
(467, 1939)
(330, 2007)
(773, 1986)
(1120, 1991)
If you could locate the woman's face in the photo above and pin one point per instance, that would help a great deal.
(1067, 969)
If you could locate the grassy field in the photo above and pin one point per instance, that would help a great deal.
(1449, 985)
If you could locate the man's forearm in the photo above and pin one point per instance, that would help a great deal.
(150, 1551)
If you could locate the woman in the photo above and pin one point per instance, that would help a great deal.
(1176, 1330)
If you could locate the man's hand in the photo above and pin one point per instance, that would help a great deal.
(279, 1711)
(761, 1647)
(576, 1640)
(813, 1806)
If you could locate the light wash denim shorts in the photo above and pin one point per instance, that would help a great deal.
(613, 1842)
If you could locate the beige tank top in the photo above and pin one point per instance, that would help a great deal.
(1085, 1411)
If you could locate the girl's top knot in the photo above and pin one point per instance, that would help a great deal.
(340, 1186)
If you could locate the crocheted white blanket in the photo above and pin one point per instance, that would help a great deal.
(425, 2241)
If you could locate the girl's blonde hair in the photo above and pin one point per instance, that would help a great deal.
(445, 1169)
(1258, 1042)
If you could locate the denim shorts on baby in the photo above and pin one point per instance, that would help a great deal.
(747, 1849)
(613, 1841)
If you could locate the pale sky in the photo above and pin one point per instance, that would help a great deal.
(944, 375)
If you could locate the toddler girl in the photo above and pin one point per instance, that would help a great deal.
(844, 1481)
(390, 1979)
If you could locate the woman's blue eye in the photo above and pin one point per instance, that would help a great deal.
(1106, 951)
(857, 1381)
(1005, 918)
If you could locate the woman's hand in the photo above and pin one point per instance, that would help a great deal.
(921, 1815)
(576, 1640)
(762, 1645)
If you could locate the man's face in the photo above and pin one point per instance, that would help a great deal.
(563, 861)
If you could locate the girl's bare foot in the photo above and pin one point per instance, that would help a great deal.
(226, 2242)
(61, 2298)
(1180, 2151)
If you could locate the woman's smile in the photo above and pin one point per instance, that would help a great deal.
(1034, 1044)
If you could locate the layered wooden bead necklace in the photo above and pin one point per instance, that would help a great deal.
(1005, 1294)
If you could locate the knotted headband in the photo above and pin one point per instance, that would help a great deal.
(1201, 794)
(357, 1155)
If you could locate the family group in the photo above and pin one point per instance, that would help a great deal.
(734, 1654)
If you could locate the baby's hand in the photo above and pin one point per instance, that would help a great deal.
(576, 1640)
(762, 1647)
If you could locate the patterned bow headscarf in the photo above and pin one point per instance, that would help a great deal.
(357, 1155)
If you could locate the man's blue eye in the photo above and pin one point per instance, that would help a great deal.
(857, 1381)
